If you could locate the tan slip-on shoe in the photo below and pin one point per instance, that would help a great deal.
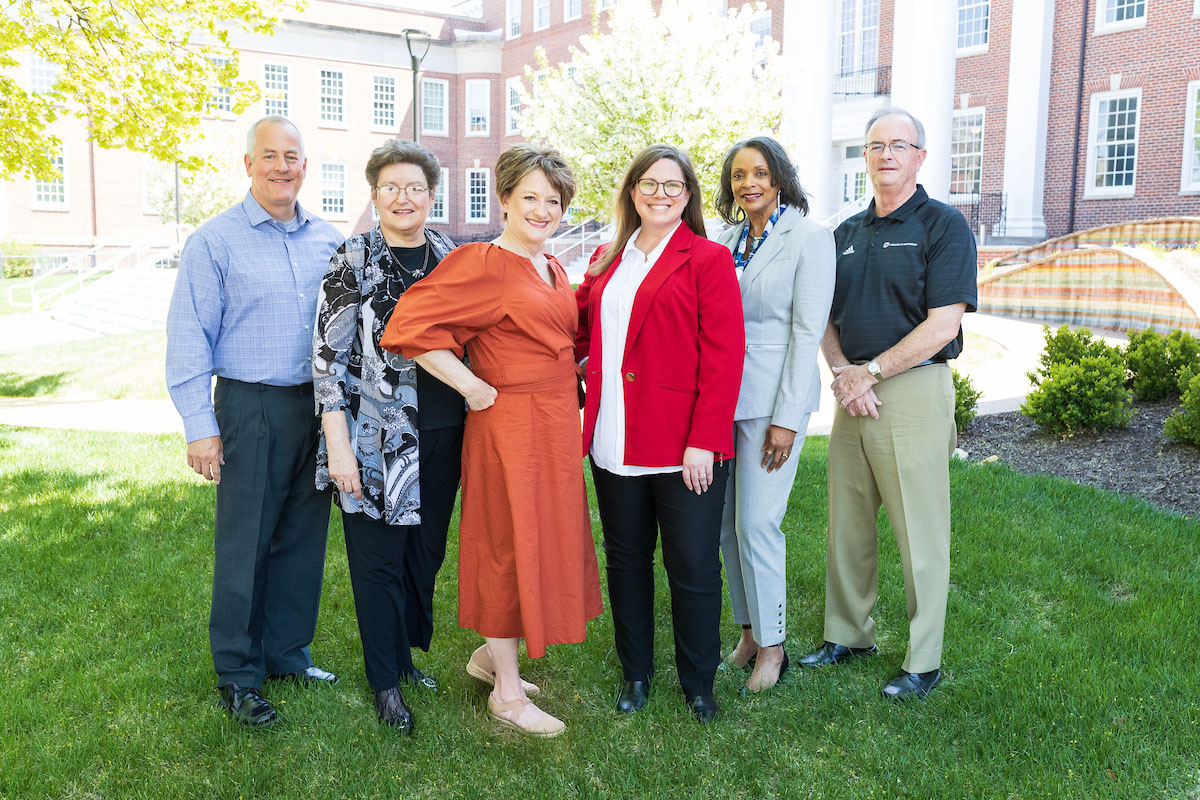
(479, 667)
(509, 715)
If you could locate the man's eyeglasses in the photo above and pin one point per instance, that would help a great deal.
(649, 186)
(898, 147)
(390, 191)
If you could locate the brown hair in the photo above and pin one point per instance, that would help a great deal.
(394, 151)
(625, 212)
(521, 159)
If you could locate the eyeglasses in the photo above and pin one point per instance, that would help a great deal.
(649, 186)
(390, 191)
(898, 147)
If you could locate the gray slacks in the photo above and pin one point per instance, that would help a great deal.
(752, 542)
(271, 528)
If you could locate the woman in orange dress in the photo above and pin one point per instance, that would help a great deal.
(526, 562)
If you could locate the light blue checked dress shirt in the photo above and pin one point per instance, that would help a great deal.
(243, 307)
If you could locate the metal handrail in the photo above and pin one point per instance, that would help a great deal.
(72, 263)
(158, 251)
(846, 211)
(555, 243)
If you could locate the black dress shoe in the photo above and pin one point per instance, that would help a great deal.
(704, 708)
(309, 676)
(633, 696)
(247, 706)
(912, 684)
(392, 710)
(830, 653)
(421, 680)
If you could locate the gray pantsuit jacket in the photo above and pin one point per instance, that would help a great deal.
(787, 289)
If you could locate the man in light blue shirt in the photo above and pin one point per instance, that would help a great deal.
(243, 310)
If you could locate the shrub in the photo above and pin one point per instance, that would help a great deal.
(1065, 346)
(966, 398)
(1086, 395)
(18, 258)
(1156, 361)
(1184, 424)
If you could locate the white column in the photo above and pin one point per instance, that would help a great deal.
(807, 128)
(923, 60)
(1025, 125)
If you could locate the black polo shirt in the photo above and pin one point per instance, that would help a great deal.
(891, 270)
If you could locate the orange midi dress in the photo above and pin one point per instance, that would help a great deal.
(526, 558)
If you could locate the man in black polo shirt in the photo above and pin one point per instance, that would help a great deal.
(905, 275)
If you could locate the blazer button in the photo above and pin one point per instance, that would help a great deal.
(629, 377)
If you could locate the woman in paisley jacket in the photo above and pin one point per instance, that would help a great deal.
(391, 437)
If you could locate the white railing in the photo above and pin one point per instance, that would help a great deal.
(578, 236)
(845, 212)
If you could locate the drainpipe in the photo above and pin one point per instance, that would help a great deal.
(1083, 31)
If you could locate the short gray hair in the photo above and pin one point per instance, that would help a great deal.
(394, 151)
(270, 119)
(896, 111)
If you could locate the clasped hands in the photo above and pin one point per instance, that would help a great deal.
(853, 388)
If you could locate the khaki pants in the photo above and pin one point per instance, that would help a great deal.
(902, 461)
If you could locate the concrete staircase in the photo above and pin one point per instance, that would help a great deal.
(128, 300)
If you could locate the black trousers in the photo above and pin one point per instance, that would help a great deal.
(271, 528)
(393, 567)
(633, 510)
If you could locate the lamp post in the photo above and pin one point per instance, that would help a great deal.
(409, 35)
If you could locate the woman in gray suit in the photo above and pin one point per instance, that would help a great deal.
(785, 263)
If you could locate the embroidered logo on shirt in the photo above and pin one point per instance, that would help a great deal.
(899, 244)
(848, 250)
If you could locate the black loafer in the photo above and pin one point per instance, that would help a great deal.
(393, 711)
(310, 676)
(421, 680)
(633, 696)
(704, 708)
(247, 706)
(830, 653)
(912, 684)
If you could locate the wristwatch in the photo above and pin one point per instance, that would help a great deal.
(873, 368)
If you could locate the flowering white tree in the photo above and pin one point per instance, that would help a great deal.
(683, 75)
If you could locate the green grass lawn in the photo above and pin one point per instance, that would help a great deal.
(22, 293)
(129, 365)
(1071, 662)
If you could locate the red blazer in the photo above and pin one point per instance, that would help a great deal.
(684, 353)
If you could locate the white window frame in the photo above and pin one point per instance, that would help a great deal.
(41, 68)
(863, 57)
(764, 16)
(335, 95)
(327, 214)
(975, 49)
(540, 23)
(483, 85)
(1191, 139)
(573, 9)
(1196, 9)
(604, 5)
(286, 72)
(376, 102)
(487, 196)
(1090, 189)
(511, 91)
(440, 192)
(444, 130)
(981, 112)
(220, 98)
(1103, 26)
(512, 19)
(64, 204)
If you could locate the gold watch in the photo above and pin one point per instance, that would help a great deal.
(873, 368)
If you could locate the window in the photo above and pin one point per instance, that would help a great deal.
(384, 102)
(433, 107)
(1112, 143)
(603, 5)
(760, 26)
(52, 194)
(966, 152)
(275, 89)
(513, 109)
(43, 74)
(478, 98)
(858, 40)
(1191, 140)
(477, 196)
(1120, 15)
(221, 99)
(541, 14)
(333, 190)
(512, 13)
(973, 26)
(437, 211)
(332, 93)
(573, 9)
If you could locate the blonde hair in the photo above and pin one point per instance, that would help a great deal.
(521, 159)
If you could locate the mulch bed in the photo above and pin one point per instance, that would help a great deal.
(1137, 460)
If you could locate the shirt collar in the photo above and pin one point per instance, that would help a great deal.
(258, 215)
(653, 255)
(903, 212)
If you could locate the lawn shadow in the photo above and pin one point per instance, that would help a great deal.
(14, 385)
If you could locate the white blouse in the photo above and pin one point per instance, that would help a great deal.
(616, 306)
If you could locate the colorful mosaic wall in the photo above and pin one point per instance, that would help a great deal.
(1170, 232)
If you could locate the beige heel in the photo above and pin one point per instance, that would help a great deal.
(509, 716)
(476, 669)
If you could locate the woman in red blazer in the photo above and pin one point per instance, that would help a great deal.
(662, 340)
